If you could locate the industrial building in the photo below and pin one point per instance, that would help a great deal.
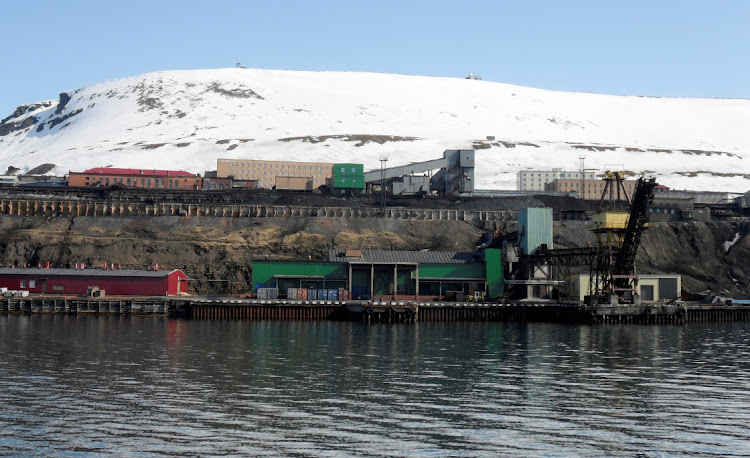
(348, 178)
(649, 287)
(376, 274)
(451, 175)
(698, 197)
(79, 281)
(288, 175)
(135, 178)
(592, 189)
(537, 180)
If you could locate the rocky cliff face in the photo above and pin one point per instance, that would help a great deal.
(218, 252)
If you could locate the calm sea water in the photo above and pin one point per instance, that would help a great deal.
(118, 385)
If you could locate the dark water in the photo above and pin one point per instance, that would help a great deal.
(125, 386)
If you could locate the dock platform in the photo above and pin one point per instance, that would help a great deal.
(228, 308)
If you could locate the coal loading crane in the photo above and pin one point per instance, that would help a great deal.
(618, 235)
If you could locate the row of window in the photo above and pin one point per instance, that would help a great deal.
(32, 284)
(145, 182)
(282, 174)
(277, 166)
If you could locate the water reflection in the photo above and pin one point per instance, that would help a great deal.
(146, 385)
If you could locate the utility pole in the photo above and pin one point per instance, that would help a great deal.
(383, 162)
(582, 191)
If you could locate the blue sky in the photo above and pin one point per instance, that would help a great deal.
(670, 48)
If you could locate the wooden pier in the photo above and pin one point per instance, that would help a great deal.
(377, 311)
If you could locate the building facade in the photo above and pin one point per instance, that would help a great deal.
(698, 197)
(113, 282)
(135, 178)
(650, 287)
(316, 174)
(593, 189)
(536, 180)
(348, 178)
(399, 275)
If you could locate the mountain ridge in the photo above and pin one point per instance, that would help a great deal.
(187, 119)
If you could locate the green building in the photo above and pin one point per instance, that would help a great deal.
(347, 178)
(376, 274)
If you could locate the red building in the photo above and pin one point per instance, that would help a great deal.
(135, 178)
(113, 282)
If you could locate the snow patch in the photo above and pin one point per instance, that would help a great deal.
(730, 244)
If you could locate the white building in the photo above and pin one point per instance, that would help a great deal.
(535, 180)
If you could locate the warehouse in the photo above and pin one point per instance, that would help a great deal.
(378, 274)
(112, 282)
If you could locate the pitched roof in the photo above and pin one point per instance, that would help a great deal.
(144, 172)
(86, 272)
(414, 257)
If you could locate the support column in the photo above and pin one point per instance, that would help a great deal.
(350, 282)
(416, 274)
(372, 281)
(395, 280)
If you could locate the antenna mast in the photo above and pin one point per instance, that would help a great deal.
(383, 162)
(582, 192)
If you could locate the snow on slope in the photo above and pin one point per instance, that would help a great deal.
(188, 119)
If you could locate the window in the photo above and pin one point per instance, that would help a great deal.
(23, 283)
(343, 170)
(58, 288)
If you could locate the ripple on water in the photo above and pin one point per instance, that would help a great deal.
(134, 386)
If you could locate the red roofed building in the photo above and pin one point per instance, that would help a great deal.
(135, 178)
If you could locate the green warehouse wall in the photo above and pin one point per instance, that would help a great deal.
(264, 271)
(452, 271)
(495, 280)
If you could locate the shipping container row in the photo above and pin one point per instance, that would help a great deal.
(312, 294)
(268, 293)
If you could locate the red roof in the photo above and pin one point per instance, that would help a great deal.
(145, 172)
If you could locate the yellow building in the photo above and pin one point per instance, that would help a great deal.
(651, 287)
(593, 189)
(307, 175)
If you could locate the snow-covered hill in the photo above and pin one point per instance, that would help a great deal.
(188, 119)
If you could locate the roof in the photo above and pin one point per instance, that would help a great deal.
(144, 172)
(412, 257)
(86, 272)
